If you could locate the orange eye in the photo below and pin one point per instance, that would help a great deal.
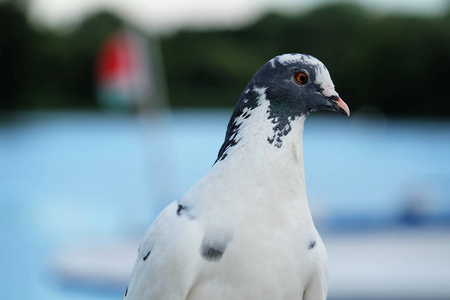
(301, 77)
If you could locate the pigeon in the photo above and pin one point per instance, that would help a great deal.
(245, 230)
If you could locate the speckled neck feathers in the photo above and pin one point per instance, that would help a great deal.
(275, 121)
(246, 104)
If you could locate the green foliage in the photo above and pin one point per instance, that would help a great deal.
(42, 69)
(15, 36)
(396, 63)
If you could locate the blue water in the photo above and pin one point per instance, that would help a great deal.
(67, 178)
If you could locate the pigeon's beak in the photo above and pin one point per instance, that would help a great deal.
(342, 105)
(336, 101)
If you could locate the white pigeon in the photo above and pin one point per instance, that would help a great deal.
(245, 231)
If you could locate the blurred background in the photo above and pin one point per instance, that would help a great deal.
(110, 110)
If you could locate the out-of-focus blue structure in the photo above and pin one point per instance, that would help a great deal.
(71, 180)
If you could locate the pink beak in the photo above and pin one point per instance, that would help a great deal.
(343, 105)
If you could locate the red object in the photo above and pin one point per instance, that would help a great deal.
(121, 70)
(115, 58)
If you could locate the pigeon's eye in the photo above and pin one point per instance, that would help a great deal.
(301, 77)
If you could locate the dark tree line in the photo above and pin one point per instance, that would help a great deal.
(399, 64)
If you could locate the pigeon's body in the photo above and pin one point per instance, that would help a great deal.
(245, 231)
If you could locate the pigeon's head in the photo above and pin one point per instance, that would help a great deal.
(287, 88)
(298, 84)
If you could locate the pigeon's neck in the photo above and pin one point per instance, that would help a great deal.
(259, 171)
(268, 149)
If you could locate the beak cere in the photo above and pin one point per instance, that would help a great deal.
(339, 102)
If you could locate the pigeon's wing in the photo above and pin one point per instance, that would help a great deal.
(318, 283)
(168, 258)
(317, 288)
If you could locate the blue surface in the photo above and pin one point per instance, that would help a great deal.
(68, 178)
